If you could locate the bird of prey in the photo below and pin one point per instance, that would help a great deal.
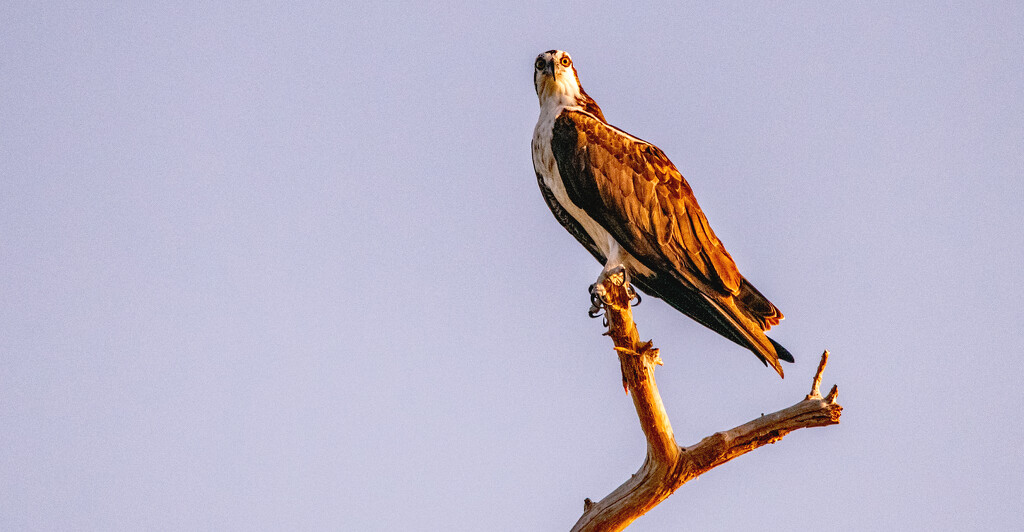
(624, 200)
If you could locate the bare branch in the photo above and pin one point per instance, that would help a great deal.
(816, 384)
(668, 466)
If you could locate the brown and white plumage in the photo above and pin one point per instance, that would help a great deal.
(625, 201)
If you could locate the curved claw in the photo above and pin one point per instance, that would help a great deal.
(596, 301)
(634, 294)
(598, 298)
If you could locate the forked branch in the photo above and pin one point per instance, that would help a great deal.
(668, 466)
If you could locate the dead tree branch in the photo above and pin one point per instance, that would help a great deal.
(668, 466)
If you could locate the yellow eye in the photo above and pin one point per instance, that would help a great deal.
(565, 61)
(539, 64)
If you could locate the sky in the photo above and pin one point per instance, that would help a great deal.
(286, 266)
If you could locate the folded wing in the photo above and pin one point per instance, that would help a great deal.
(635, 192)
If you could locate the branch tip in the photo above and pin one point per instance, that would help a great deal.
(816, 384)
(832, 395)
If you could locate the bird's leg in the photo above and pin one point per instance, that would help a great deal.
(617, 274)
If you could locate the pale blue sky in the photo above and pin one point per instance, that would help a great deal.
(287, 267)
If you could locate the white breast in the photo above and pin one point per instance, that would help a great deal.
(545, 165)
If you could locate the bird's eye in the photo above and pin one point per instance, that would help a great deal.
(565, 61)
(539, 64)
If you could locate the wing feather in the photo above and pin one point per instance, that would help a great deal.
(635, 192)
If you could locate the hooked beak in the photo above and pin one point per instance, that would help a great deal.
(550, 69)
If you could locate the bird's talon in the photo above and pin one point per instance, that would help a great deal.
(633, 294)
(597, 300)
(617, 276)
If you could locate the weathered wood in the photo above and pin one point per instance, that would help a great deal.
(668, 466)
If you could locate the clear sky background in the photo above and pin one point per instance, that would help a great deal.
(287, 267)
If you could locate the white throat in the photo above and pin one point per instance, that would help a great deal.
(558, 93)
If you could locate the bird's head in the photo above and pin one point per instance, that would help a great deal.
(557, 83)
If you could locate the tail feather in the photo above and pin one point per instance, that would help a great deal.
(758, 315)
(781, 352)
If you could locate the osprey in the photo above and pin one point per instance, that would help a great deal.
(624, 200)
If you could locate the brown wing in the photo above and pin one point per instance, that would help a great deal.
(635, 192)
